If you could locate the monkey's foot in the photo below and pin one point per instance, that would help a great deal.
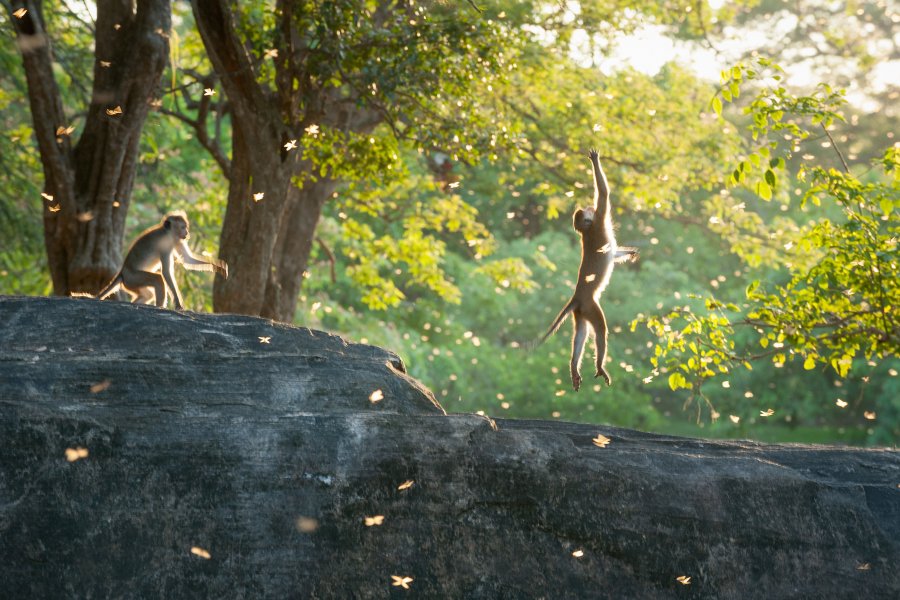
(602, 371)
(576, 381)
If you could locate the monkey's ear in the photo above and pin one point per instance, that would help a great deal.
(167, 224)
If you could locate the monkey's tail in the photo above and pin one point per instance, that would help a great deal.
(557, 321)
(112, 288)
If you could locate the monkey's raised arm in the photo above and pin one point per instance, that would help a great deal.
(601, 188)
(194, 263)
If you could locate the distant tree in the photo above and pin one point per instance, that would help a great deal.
(88, 182)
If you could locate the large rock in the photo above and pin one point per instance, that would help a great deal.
(270, 456)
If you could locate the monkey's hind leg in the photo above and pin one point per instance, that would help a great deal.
(137, 283)
(598, 323)
(145, 295)
(578, 340)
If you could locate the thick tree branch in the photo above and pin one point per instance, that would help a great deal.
(233, 65)
(210, 145)
(44, 97)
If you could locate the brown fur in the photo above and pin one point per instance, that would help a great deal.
(599, 253)
(148, 269)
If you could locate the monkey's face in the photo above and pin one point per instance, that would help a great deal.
(583, 218)
(178, 228)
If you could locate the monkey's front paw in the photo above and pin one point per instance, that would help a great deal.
(576, 381)
(593, 154)
(602, 372)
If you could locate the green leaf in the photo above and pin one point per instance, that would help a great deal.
(763, 190)
(677, 380)
(770, 177)
(717, 105)
(810, 362)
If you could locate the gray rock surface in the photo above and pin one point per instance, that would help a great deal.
(270, 456)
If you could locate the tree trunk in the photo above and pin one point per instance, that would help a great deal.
(267, 242)
(251, 226)
(295, 240)
(88, 185)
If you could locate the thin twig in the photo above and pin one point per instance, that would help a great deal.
(331, 258)
(836, 149)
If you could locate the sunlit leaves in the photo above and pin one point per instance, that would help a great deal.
(401, 581)
(406, 485)
(837, 303)
(776, 137)
(410, 253)
(677, 380)
(100, 386)
(306, 524)
(508, 273)
(647, 129)
(73, 454)
(763, 190)
(201, 552)
(601, 441)
(374, 520)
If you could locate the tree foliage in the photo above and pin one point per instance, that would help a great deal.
(838, 298)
